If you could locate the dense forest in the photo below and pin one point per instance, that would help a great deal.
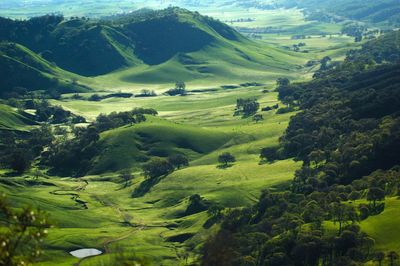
(347, 135)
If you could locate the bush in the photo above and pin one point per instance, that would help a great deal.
(157, 167)
(226, 158)
(178, 160)
(284, 110)
(269, 154)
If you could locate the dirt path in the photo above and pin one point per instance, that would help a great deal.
(125, 217)
(73, 192)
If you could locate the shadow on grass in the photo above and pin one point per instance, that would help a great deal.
(145, 186)
(262, 162)
(224, 166)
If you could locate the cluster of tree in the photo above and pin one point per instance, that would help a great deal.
(180, 89)
(118, 119)
(287, 228)
(18, 151)
(269, 108)
(157, 168)
(73, 156)
(297, 47)
(355, 30)
(246, 107)
(97, 97)
(146, 93)
(45, 112)
(348, 137)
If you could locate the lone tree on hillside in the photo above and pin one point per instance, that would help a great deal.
(157, 167)
(126, 176)
(269, 154)
(226, 158)
(178, 160)
(257, 118)
(247, 107)
(375, 194)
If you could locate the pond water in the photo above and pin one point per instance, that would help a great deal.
(85, 252)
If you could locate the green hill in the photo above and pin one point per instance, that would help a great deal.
(11, 120)
(20, 67)
(152, 46)
(130, 146)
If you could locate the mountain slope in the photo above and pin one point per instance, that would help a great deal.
(131, 146)
(174, 43)
(11, 120)
(20, 67)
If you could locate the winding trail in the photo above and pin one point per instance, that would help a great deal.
(125, 217)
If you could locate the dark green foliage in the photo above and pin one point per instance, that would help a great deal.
(178, 160)
(180, 89)
(350, 114)
(196, 204)
(54, 114)
(269, 154)
(72, 157)
(226, 158)
(375, 194)
(126, 176)
(348, 136)
(246, 107)
(18, 151)
(284, 110)
(147, 93)
(157, 167)
(23, 233)
(257, 118)
(115, 120)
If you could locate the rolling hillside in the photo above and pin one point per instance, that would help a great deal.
(11, 120)
(149, 47)
(20, 67)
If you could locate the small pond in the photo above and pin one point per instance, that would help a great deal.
(85, 252)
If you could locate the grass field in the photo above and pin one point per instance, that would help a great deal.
(145, 224)
(12, 120)
(97, 211)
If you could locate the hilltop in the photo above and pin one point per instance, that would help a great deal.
(148, 47)
(20, 67)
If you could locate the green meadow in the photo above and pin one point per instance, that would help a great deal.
(145, 224)
(98, 211)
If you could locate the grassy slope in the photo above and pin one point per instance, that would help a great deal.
(11, 120)
(128, 146)
(384, 227)
(110, 205)
(23, 68)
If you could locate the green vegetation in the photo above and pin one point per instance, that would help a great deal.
(341, 164)
(165, 137)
